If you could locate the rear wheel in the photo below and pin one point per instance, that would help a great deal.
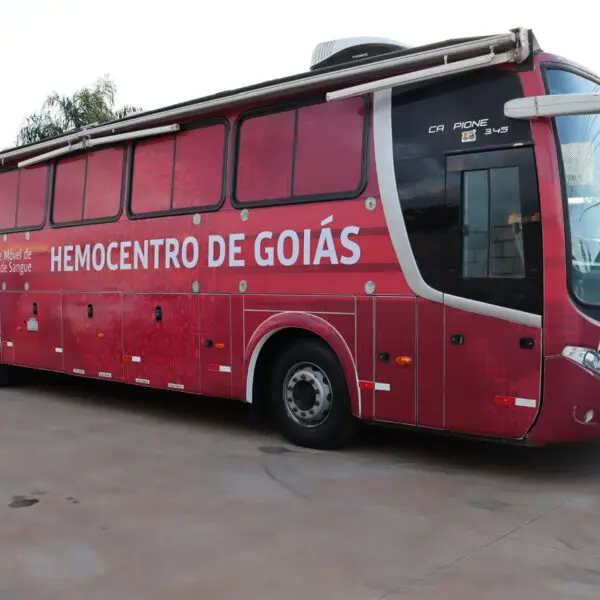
(309, 396)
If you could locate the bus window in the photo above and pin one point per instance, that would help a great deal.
(496, 254)
(32, 196)
(152, 175)
(578, 142)
(23, 198)
(88, 187)
(307, 153)
(9, 186)
(69, 184)
(265, 155)
(329, 148)
(199, 167)
(492, 236)
(103, 184)
(180, 173)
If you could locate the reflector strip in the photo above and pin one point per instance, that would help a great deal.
(514, 401)
(374, 385)
(225, 369)
(526, 402)
(139, 380)
(104, 374)
(79, 371)
(58, 350)
(9, 344)
(129, 358)
(176, 386)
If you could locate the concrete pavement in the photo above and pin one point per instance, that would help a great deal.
(109, 492)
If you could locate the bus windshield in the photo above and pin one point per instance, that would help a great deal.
(579, 146)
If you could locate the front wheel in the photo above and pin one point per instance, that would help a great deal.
(309, 397)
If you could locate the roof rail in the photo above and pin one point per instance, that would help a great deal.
(91, 143)
(484, 55)
(512, 47)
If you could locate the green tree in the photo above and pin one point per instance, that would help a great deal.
(61, 114)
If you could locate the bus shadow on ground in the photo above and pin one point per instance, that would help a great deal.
(445, 452)
(430, 450)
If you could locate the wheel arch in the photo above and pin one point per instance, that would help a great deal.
(287, 326)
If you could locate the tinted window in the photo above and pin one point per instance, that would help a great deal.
(457, 114)
(88, 187)
(181, 172)
(266, 152)
(329, 148)
(498, 249)
(103, 184)
(492, 235)
(31, 208)
(9, 189)
(307, 152)
(23, 197)
(69, 184)
(152, 175)
(464, 207)
(431, 219)
(199, 164)
(476, 224)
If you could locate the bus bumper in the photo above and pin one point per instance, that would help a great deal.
(570, 409)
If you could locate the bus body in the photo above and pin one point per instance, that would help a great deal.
(383, 240)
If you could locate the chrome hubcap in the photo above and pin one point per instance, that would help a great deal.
(307, 394)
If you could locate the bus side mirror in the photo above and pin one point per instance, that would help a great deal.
(552, 105)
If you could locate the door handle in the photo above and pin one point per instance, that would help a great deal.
(457, 339)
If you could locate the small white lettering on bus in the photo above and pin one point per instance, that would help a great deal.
(16, 260)
(436, 129)
(471, 124)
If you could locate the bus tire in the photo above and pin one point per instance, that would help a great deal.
(309, 396)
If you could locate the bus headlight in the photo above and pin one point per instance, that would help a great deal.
(591, 360)
(586, 357)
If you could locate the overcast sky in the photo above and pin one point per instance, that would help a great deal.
(159, 53)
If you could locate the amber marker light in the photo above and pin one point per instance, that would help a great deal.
(404, 361)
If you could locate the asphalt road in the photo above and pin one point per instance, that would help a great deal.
(109, 492)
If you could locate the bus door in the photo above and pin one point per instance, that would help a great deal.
(493, 309)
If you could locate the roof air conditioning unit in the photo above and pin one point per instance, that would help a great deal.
(347, 50)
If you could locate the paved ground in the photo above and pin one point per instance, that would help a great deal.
(111, 493)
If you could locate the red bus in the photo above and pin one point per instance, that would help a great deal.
(405, 235)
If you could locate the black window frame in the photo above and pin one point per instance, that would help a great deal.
(474, 288)
(184, 210)
(97, 220)
(308, 198)
(24, 228)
